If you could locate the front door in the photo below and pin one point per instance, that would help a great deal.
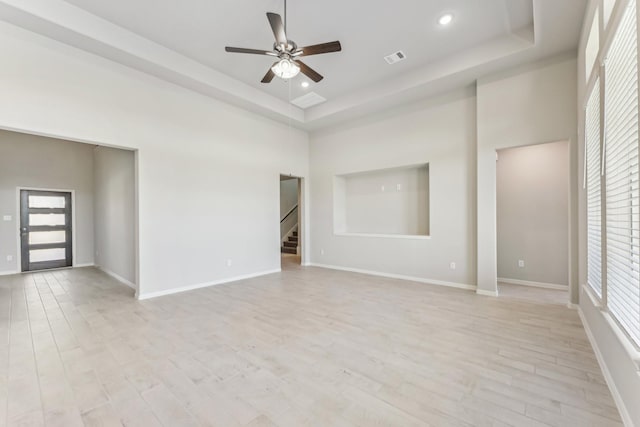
(45, 229)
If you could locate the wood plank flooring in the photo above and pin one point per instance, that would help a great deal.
(307, 347)
(533, 294)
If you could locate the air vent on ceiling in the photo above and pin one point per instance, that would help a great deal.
(395, 57)
(308, 100)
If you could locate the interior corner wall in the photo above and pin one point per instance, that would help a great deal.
(44, 163)
(114, 212)
(192, 218)
(440, 132)
(533, 213)
(518, 108)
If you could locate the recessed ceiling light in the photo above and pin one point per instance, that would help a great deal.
(304, 84)
(445, 19)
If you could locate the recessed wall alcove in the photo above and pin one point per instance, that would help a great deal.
(391, 202)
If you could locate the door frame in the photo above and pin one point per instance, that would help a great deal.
(302, 215)
(73, 226)
(571, 231)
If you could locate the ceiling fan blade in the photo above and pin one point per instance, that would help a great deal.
(277, 27)
(318, 49)
(309, 72)
(252, 51)
(268, 77)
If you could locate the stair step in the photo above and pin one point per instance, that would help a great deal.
(295, 233)
(290, 244)
(293, 239)
(285, 250)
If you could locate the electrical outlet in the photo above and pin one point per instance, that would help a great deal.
(229, 262)
(399, 187)
(321, 251)
(9, 257)
(382, 188)
(452, 266)
(521, 263)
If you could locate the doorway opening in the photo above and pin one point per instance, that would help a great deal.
(67, 203)
(533, 222)
(290, 221)
(46, 229)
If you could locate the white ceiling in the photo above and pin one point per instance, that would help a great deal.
(183, 42)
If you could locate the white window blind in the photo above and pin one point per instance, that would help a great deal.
(621, 162)
(594, 213)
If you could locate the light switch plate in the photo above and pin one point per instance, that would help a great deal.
(6, 217)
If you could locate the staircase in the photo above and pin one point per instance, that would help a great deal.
(290, 246)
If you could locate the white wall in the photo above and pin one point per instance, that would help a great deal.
(192, 217)
(440, 132)
(517, 108)
(375, 204)
(37, 162)
(114, 212)
(533, 213)
(457, 135)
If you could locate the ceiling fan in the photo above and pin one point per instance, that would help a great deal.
(287, 51)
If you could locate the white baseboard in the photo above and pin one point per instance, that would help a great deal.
(117, 277)
(149, 295)
(8, 273)
(626, 418)
(396, 276)
(533, 284)
(89, 264)
(487, 293)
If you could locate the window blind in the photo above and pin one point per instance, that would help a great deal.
(621, 171)
(594, 213)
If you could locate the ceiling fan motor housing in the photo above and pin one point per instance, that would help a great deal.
(289, 48)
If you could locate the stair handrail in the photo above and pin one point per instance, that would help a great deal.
(289, 213)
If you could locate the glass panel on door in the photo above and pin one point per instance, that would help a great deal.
(46, 219)
(39, 237)
(40, 255)
(46, 202)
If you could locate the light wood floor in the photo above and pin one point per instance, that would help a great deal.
(307, 347)
(533, 294)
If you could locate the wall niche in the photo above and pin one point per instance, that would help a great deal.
(390, 202)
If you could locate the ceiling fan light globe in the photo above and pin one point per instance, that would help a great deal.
(285, 69)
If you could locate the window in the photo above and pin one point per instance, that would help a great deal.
(594, 213)
(593, 44)
(607, 10)
(621, 166)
